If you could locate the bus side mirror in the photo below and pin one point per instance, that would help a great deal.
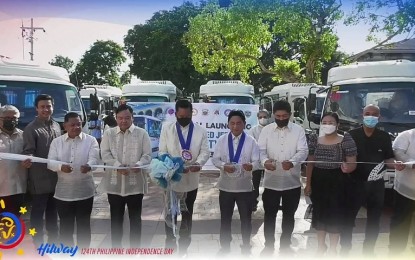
(334, 106)
(311, 102)
(315, 118)
(94, 101)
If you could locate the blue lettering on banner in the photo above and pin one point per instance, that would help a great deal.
(54, 249)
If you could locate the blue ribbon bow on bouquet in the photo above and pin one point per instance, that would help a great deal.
(165, 170)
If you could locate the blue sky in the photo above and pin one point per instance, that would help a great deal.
(73, 25)
(127, 12)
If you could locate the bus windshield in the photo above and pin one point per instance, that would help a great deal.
(145, 99)
(87, 105)
(396, 101)
(150, 124)
(231, 100)
(22, 95)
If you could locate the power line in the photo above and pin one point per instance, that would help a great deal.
(30, 34)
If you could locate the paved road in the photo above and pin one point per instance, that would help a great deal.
(205, 238)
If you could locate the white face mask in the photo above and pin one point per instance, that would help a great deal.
(263, 121)
(328, 129)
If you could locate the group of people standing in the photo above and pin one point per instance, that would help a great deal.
(336, 180)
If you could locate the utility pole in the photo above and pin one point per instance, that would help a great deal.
(30, 37)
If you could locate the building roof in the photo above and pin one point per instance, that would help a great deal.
(404, 46)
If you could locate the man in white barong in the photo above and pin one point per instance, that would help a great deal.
(75, 189)
(125, 146)
(188, 140)
(236, 155)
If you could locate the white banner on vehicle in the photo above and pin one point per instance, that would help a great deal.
(212, 117)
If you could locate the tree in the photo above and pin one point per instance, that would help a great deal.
(231, 40)
(63, 62)
(100, 64)
(125, 78)
(388, 17)
(158, 51)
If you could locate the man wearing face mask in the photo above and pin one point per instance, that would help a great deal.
(373, 145)
(13, 175)
(185, 139)
(282, 146)
(263, 120)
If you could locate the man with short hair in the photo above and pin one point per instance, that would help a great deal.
(236, 155)
(263, 120)
(188, 140)
(13, 175)
(125, 146)
(37, 137)
(283, 146)
(375, 146)
(75, 188)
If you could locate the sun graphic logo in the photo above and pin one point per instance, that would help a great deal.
(12, 229)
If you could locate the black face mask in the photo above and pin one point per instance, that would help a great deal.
(282, 123)
(9, 125)
(184, 121)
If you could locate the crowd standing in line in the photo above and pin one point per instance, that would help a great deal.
(333, 176)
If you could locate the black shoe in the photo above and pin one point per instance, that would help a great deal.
(267, 251)
(223, 251)
(183, 253)
(287, 251)
(246, 250)
(171, 244)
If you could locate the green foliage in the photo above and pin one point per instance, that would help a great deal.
(158, 52)
(100, 64)
(389, 17)
(231, 41)
(125, 78)
(63, 62)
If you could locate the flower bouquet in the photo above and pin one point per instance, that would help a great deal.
(164, 171)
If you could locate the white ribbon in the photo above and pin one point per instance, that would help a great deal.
(20, 157)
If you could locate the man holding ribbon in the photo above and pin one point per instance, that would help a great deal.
(373, 146)
(283, 146)
(75, 188)
(188, 140)
(13, 175)
(236, 155)
(127, 149)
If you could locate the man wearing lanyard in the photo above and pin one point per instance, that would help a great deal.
(185, 139)
(282, 146)
(236, 155)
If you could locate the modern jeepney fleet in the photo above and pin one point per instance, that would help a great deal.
(349, 88)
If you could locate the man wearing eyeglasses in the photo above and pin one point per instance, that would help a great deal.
(263, 120)
(282, 147)
(13, 175)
